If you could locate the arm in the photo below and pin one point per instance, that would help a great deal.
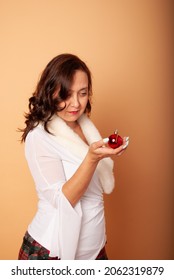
(75, 187)
(48, 173)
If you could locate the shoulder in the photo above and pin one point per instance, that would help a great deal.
(38, 144)
(36, 133)
(38, 138)
(39, 141)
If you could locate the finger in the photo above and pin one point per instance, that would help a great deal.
(99, 143)
(105, 140)
(119, 154)
(125, 145)
(125, 139)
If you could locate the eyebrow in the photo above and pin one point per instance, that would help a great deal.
(84, 88)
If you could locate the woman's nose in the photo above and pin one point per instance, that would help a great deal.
(75, 101)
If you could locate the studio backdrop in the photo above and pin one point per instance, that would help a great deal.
(127, 44)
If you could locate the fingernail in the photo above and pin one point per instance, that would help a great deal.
(105, 140)
(127, 138)
(125, 146)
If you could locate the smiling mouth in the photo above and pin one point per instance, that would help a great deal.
(73, 112)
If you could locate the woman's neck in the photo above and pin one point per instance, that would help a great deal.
(73, 125)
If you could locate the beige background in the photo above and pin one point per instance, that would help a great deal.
(128, 46)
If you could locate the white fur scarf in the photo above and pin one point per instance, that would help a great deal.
(72, 142)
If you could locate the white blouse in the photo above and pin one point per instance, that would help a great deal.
(67, 232)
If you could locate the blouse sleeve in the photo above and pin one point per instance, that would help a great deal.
(47, 170)
(46, 167)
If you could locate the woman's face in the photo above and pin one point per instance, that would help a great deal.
(77, 99)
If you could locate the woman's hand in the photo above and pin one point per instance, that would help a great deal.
(98, 150)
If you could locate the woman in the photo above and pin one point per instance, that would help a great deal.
(70, 164)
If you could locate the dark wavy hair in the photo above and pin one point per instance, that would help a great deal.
(57, 76)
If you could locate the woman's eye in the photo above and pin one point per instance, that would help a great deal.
(83, 93)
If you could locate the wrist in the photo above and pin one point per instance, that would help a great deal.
(91, 160)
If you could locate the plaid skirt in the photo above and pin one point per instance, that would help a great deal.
(32, 250)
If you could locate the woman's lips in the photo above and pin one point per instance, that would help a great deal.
(73, 112)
